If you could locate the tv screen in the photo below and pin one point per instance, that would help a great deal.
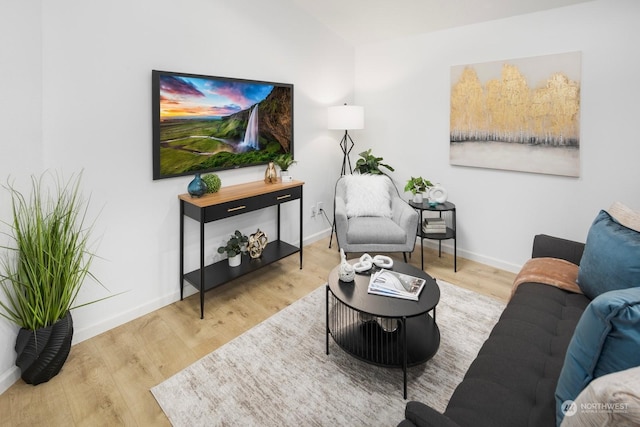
(204, 123)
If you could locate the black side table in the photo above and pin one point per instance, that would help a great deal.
(449, 234)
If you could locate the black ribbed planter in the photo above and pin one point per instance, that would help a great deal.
(41, 353)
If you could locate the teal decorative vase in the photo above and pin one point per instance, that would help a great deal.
(197, 187)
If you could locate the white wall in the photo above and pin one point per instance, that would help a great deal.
(405, 87)
(20, 121)
(81, 84)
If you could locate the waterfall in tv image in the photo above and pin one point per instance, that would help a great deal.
(206, 123)
(250, 141)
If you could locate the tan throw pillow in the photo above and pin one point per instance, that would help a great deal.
(625, 216)
(611, 400)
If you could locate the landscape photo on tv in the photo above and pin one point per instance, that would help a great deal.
(204, 124)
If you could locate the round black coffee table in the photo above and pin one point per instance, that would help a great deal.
(383, 330)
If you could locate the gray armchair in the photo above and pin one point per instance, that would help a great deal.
(371, 217)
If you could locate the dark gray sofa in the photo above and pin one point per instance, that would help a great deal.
(513, 379)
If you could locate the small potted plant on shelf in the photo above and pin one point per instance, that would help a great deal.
(417, 186)
(284, 162)
(368, 163)
(233, 248)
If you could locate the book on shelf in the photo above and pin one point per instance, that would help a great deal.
(434, 221)
(397, 285)
(434, 226)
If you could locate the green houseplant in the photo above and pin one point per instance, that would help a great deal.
(43, 267)
(233, 248)
(284, 162)
(417, 186)
(368, 163)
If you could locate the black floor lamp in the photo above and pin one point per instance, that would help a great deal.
(345, 117)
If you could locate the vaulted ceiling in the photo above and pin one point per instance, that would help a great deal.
(364, 21)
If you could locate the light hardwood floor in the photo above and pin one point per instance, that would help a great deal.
(106, 379)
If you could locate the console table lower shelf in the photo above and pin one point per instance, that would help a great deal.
(220, 273)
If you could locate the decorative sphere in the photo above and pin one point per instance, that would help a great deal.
(213, 182)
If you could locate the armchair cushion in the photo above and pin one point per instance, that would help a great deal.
(367, 195)
(386, 231)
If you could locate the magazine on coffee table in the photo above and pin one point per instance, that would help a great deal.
(397, 285)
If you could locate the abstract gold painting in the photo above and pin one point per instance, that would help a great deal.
(520, 114)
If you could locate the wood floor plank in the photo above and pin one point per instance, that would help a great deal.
(106, 379)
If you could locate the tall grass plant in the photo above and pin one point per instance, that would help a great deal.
(49, 252)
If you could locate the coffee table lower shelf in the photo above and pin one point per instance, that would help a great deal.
(382, 340)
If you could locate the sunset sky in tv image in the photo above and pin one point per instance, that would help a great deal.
(191, 97)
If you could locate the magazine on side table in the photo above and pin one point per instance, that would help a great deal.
(397, 285)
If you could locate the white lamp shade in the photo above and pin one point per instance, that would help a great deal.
(346, 117)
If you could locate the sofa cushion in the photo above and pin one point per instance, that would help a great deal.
(367, 195)
(513, 379)
(611, 400)
(606, 340)
(611, 258)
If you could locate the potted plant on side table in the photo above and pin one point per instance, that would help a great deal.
(233, 248)
(417, 186)
(42, 269)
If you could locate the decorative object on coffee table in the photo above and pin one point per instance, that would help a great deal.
(257, 242)
(347, 272)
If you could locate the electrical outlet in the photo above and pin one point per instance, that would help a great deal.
(313, 211)
(319, 207)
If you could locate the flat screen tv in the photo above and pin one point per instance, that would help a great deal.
(205, 124)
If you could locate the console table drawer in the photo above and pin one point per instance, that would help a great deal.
(237, 207)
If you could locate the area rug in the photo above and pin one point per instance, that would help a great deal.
(278, 373)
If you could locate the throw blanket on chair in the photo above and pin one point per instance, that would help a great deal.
(549, 271)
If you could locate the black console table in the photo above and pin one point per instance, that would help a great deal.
(230, 201)
(449, 234)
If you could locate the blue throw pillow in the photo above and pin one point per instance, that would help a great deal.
(606, 340)
(611, 257)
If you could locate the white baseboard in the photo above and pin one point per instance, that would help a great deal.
(317, 236)
(8, 378)
(447, 247)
